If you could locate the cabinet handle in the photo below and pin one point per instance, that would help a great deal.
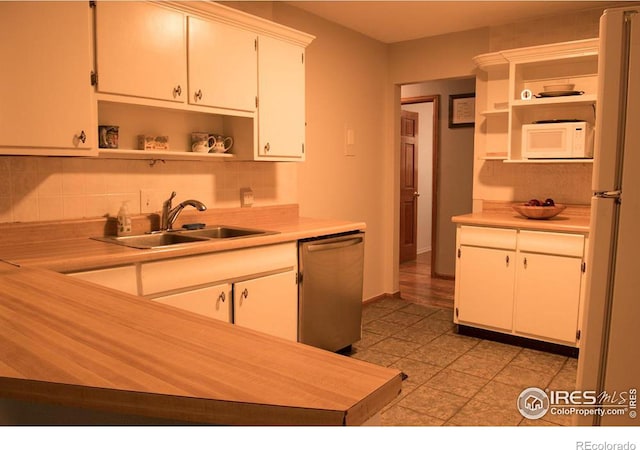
(525, 263)
(83, 137)
(243, 295)
(507, 260)
(177, 91)
(222, 297)
(267, 147)
(198, 95)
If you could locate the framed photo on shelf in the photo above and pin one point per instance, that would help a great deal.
(462, 110)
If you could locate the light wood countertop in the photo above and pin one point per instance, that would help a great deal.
(84, 253)
(73, 343)
(76, 344)
(573, 219)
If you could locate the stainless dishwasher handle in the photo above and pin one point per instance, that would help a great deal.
(334, 245)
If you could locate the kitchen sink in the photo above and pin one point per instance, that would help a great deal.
(151, 240)
(222, 232)
(167, 238)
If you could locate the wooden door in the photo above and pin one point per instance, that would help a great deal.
(408, 185)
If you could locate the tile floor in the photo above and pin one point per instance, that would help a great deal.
(454, 379)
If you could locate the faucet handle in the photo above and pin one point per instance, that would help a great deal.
(167, 202)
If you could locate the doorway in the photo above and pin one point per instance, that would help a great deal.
(418, 177)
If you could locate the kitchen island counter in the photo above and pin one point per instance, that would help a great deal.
(75, 344)
(573, 219)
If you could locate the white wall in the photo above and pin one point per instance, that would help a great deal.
(425, 169)
(345, 79)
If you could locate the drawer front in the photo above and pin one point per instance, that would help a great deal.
(123, 278)
(180, 273)
(488, 237)
(562, 244)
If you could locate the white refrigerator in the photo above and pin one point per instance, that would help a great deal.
(609, 358)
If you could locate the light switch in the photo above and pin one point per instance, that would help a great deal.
(349, 140)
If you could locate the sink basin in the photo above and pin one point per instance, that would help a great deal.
(222, 232)
(156, 240)
(152, 240)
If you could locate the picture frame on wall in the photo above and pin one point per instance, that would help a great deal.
(462, 110)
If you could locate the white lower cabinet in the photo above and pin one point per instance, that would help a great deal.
(253, 287)
(259, 285)
(525, 283)
(211, 301)
(548, 285)
(268, 304)
(547, 296)
(485, 287)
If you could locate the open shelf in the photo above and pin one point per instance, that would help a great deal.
(502, 111)
(165, 155)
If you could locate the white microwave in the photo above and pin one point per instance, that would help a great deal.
(557, 140)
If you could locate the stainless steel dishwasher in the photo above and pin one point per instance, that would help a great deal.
(330, 290)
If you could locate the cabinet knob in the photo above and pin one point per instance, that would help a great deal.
(267, 147)
(198, 95)
(416, 194)
(507, 260)
(177, 91)
(525, 263)
(245, 293)
(83, 137)
(222, 297)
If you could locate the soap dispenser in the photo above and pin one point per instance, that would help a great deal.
(124, 220)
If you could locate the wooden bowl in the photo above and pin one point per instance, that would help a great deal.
(539, 212)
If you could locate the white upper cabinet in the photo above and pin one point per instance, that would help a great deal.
(512, 90)
(141, 51)
(222, 65)
(47, 104)
(157, 68)
(281, 100)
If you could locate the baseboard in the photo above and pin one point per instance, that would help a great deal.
(520, 341)
(442, 276)
(381, 297)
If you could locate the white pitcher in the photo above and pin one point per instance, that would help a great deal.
(222, 144)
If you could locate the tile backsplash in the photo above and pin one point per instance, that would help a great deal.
(55, 188)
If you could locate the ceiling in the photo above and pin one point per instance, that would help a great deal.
(396, 21)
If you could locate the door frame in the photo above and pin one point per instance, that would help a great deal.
(435, 99)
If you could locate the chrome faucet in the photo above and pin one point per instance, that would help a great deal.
(169, 214)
